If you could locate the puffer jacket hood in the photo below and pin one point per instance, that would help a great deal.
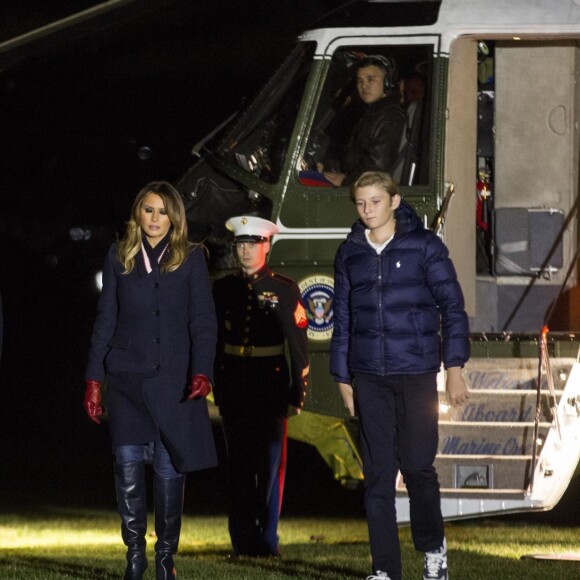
(400, 311)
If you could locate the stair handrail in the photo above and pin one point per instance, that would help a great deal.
(439, 220)
(543, 365)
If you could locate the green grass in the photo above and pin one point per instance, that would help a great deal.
(58, 544)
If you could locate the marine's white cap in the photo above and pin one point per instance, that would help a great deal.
(251, 228)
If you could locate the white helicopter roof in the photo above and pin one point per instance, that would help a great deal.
(497, 18)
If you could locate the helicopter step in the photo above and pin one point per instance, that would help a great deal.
(513, 373)
(485, 458)
(496, 473)
(498, 406)
(488, 438)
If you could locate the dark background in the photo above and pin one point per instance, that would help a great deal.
(88, 115)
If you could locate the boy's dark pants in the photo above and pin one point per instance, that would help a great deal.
(399, 430)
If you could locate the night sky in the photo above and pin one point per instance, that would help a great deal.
(87, 117)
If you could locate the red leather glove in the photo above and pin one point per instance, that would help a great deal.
(92, 402)
(200, 387)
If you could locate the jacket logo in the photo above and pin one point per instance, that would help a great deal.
(398, 264)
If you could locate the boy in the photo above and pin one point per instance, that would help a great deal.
(395, 290)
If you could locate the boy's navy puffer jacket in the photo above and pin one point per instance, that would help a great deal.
(400, 312)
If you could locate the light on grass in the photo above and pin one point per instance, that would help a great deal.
(60, 545)
(27, 537)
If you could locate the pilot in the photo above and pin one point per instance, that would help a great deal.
(376, 138)
(258, 311)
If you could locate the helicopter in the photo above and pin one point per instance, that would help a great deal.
(490, 161)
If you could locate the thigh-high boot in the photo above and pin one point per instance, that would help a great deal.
(132, 503)
(168, 496)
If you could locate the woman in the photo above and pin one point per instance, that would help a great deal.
(154, 342)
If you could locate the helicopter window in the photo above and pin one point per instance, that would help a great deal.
(360, 127)
(259, 141)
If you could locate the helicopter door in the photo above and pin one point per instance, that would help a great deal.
(460, 164)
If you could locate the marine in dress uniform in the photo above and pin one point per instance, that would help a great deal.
(259, 312)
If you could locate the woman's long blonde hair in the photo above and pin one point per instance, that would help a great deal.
(130, 244)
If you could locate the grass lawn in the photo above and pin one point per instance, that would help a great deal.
(61, 543)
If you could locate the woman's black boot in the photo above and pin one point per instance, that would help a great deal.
(168, 495)
(132, 503)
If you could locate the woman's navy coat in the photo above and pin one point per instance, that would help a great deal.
(399, 312)
(153, 332)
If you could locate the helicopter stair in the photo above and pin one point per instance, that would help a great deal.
(485, 456)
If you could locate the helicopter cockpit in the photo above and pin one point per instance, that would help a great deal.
(340, 109)
(258, 142)
(304, 117)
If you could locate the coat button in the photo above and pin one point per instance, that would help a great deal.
(156, 312)
(157, 340)
(157, 367)
(156, 285)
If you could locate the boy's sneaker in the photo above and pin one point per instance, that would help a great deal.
(378, 576)
(435, 564)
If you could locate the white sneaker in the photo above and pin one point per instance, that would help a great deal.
(435, 564)
(378, 576)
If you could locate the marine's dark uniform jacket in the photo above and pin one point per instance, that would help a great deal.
(153, 332)
(256, 314)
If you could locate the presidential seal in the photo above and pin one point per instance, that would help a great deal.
(318, 297)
